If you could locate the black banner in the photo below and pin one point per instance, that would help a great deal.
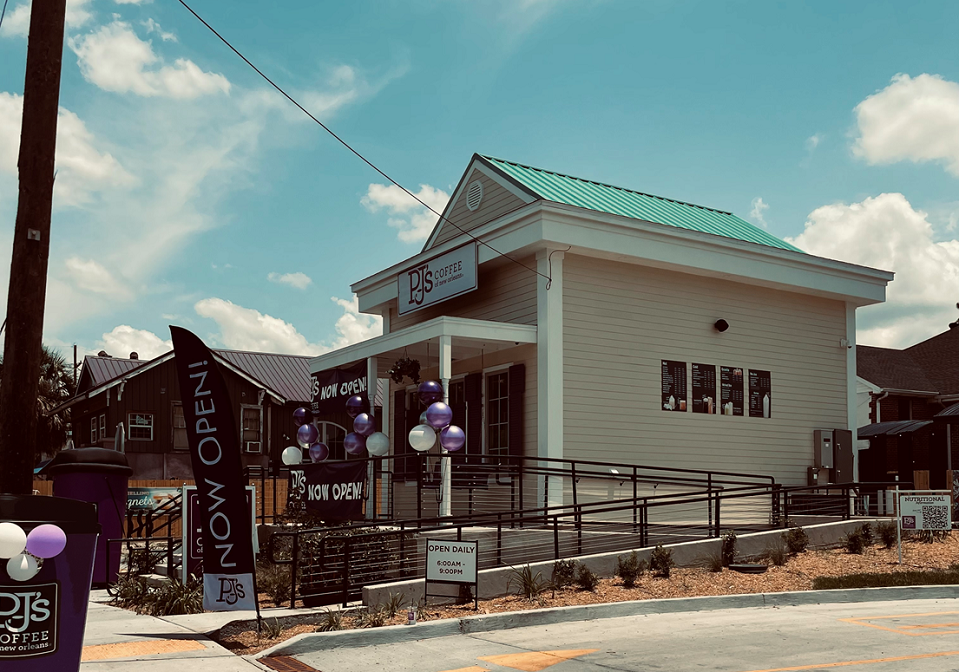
(704, 388)
(731, 382)
(332, 491)
(331, 388)
(228, 564)
(674, 386)
(760, 394)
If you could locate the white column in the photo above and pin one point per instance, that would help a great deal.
(549, 371)
(852, 405)
(446, 372)
(371, 365)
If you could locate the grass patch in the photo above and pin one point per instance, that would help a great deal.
(936, 577)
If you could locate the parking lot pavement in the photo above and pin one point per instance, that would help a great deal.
(901, 636)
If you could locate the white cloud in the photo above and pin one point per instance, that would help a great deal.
(413, 220)
(81, 167)
(125, 339)
(757, 212)
(912, 119)
(248, 329)
(886, 232)
(17, 21)
(812, 142)
(152, 26)
(115, 59)
(92, 276)
(298, 280)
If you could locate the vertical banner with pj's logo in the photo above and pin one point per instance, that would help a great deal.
(228, 564)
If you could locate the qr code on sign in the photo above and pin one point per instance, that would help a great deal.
(935, 517)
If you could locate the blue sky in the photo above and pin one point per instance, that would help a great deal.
(189, 192)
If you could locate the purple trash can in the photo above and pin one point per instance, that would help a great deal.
(98, 476)
(42, 619)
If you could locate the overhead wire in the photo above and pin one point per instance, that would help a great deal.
(3, 13)
(350, 147)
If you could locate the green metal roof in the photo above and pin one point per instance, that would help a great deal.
(618, 201)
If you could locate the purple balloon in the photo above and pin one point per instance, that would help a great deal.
(307, 435)
(46, 541)
(356, 405)
(364, 424)
(430, 392)
(438, 415)
(302, 416)
(319, 452)
(452, 438)
(354, 443)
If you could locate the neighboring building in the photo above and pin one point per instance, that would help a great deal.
(618, 323)
(144, 397)
(899, 386)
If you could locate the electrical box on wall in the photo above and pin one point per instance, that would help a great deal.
(823, 448)
(843, 456)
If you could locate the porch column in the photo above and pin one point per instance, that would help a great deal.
(549, 373)
(852, 402)
(371, 366)
(446, 372)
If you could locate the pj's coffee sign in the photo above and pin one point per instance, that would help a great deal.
(28, 620)
(438, 279)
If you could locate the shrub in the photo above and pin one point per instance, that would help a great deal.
(371, 617)
(527, 584)
(564, 573)
(867, 536)
(274, 580)
(130, 592)
(661, 561)
(854, 542)
(465, 595)
(394, 605)
(915, 578)
(586, 579)
(796, 540)
(714, 561)
(331, 619)
(777, 554)
(142, 560)
(630, 569)
(271, 630)
(887, 533)
(729, 548)
(172, 598)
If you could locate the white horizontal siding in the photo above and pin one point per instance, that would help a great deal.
(621, 321)
(496, 202)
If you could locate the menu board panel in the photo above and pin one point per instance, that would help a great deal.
(760, 394)
(731, 382)
(704, 388)
(674, 386)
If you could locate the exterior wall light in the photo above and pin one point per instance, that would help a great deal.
(721, 325)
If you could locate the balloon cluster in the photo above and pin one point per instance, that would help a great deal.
(22, 551)
(364, 435)
(307, 435)
(436, 417)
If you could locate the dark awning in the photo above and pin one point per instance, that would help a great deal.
(950, 416)
(891, 427)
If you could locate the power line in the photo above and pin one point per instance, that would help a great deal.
(4, 12)
(349, 147)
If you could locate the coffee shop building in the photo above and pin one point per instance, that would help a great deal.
(570, 319)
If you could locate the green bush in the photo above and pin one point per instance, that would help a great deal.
(728, 551)
(169, 598)
(630, 569)
(586, 579)
(661, 561)
(796, 540)
(564, 573)
(371, 617)
(271, 630)
(274, 580)
(854, 543)
(919, 578)
(330, 620)
(714, 561)
(777, 553)
(527, 584)
(394, 605)
(887, 533)
(867, 535)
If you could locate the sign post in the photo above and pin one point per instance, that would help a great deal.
(452, 563)
(919, 510)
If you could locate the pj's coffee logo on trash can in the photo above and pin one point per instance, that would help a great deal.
(28, 620)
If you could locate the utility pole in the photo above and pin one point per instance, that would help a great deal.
(31, 248)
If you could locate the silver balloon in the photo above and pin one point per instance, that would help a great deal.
(422, 438)
(291, 456)
(378, 444)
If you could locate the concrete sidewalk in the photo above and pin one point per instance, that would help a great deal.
(118, 639)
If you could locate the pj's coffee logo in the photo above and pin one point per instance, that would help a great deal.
(28, 620)
(231, 590)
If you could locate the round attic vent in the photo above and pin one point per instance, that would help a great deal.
(474, 195)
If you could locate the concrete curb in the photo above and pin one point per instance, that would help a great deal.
(320, 641)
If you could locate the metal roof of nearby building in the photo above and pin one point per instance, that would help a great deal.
(102, 369)
(636, 205)
(287, 375)
(891, 427)
(950, 415)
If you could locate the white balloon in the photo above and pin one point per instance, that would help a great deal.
(291, 456)
(422, 437)
(378, 444)
(12, 540)
(22, 567)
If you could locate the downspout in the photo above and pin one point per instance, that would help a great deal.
(876, 398)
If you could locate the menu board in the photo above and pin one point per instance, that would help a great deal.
(704, 388)
(731, 397)
(760, 394)
(674, 386)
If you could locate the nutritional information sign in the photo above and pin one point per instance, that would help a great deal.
(731, 381)
(925, 512)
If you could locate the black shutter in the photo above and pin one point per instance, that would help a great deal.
(517, 389)
(474, 415)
